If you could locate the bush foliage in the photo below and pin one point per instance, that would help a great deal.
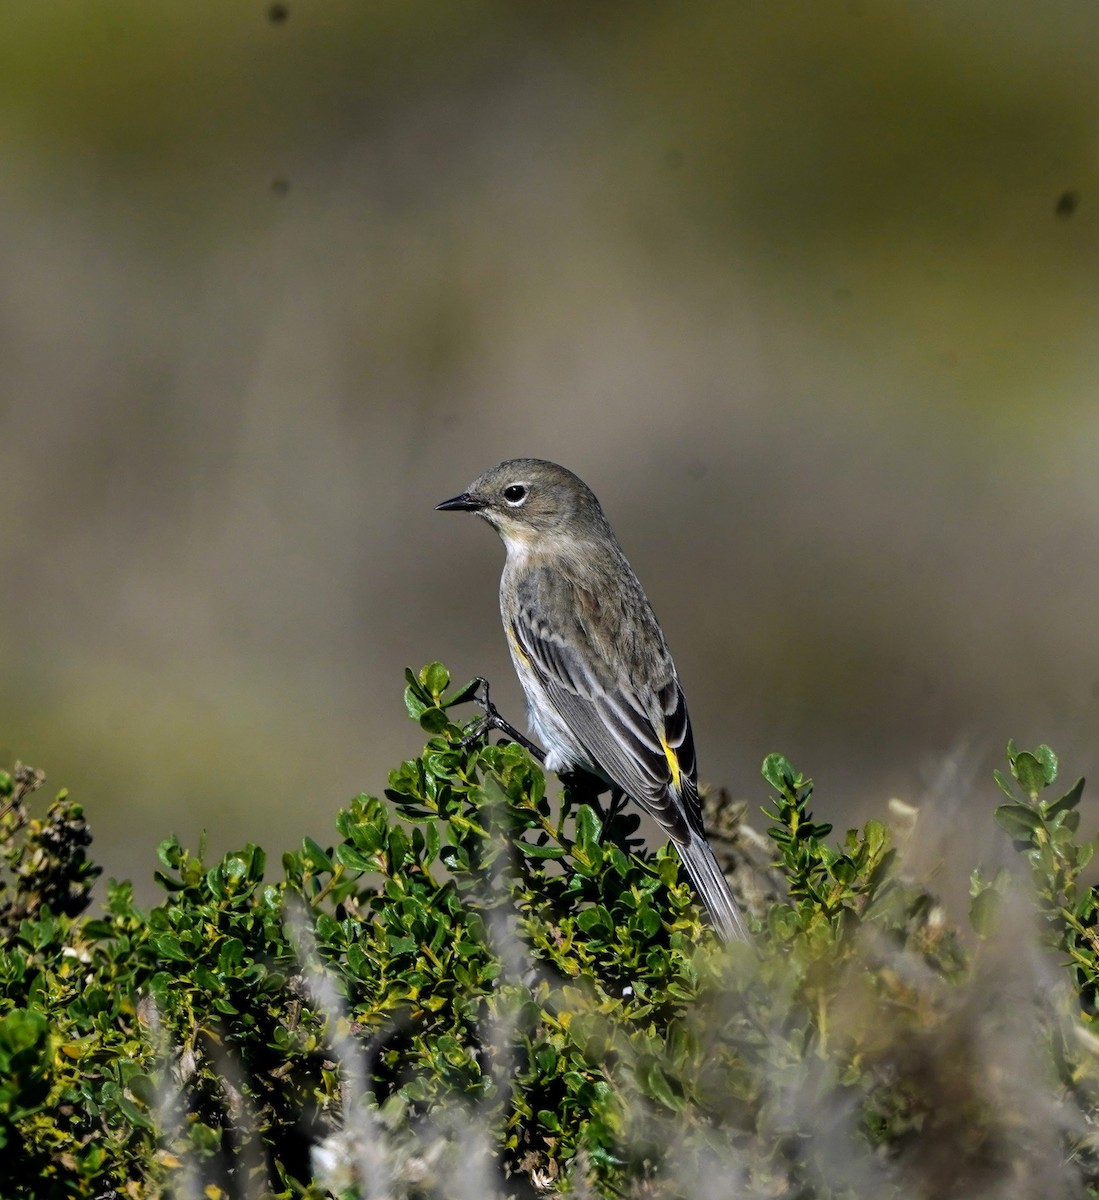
(477, 991)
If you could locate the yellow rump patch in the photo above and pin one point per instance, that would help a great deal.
(673, 763)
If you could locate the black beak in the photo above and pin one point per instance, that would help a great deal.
(463, 503)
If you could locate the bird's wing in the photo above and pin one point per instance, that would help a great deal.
(607, 707)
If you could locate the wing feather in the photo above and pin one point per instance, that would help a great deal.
(619, 714)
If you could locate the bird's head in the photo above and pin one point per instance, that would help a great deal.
(531, 502)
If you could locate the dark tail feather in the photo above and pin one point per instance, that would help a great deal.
(710, 884)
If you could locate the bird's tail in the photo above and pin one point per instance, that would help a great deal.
(710, 884)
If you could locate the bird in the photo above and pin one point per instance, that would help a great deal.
(602, 691)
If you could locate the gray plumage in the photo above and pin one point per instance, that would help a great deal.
(600, 683)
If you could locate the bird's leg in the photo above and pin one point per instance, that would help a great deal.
(615, 806)
(492, 720)
(585, 787)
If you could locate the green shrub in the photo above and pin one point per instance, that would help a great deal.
(475, 991)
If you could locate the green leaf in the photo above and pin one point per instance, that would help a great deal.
(876, 837)
(397, 846)
(353, 859)
(1069, 800)
(1030, 772)
(588, 827)
(657, 1085)
(360, 963)
(462, 694)
(315, 855)
(778, 772)
(843, 870)
(168, 946)
(983, 910)
(595, 919)
(23, 1029)
(436, 679)
(328, 928)
(434, 720)
(531, 850)
(1019, 820)
(416, 698)
(231, 955)
(1004, 786)
(1048, 761)
(205, 1138)
(170, 853)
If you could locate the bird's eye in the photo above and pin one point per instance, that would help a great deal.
(515, 493)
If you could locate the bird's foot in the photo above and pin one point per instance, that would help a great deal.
(492, 720)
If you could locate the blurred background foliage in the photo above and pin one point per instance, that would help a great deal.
(805, 291)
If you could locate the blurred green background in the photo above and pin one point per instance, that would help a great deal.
(807, 292)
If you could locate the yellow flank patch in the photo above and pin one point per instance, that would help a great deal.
(673, 763)
(516, 647)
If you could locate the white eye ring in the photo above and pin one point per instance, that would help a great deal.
(516, 494)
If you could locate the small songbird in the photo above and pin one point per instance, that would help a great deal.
(601, 686)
